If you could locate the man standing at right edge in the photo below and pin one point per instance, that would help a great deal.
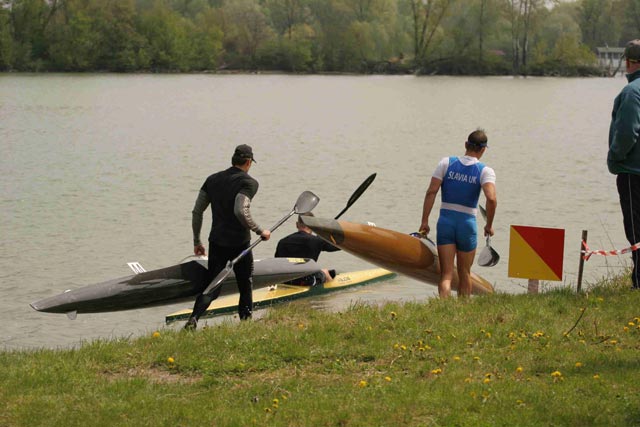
(623, 158)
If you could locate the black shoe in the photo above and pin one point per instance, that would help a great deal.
(191, 324)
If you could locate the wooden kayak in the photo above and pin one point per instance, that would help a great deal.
(168, 285)
(403, 253)
(282, 292)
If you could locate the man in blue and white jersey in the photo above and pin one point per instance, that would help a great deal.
(462, 179)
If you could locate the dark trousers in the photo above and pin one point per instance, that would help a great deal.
(629, 191)
(219, 256)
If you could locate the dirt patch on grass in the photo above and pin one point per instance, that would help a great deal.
(155, 375)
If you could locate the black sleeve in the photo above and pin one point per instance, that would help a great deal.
(328, 247)
(249, 187)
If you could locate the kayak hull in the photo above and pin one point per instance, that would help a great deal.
(399, 252)
(168, 285)
(280, 293)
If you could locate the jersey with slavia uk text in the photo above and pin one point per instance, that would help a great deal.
(462, 180)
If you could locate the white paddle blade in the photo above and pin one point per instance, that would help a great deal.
(485, 258)
(488, 256)
(217, 281)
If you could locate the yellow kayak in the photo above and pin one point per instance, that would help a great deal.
(264, 297)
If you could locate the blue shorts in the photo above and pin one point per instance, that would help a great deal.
(457, 228)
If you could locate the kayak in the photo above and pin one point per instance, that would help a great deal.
(168, 285)
(403, 253)
(283, 292)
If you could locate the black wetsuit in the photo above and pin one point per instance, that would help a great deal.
(304, 245)
(229, 236)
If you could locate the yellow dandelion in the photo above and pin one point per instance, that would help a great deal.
(486, 380)
(394, 315)
(387, 379)
(488, 375)
(488, 335)
(156, 334)
(519, 369)
(556, 374)
(578, 364)
(170, 360)
(396, 346)
(596, 377)
(456, 358)
(631, 324)
(403, 347)
(267, 409)
(613, 342)
(276, 401)
(519, 402)
(626, 329)
(436, 371)
(476, 358)
(362, 384)
(467, 380)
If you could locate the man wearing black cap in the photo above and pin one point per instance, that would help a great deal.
(229, 192)
(623, 158)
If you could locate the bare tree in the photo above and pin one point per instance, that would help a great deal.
(427, 16)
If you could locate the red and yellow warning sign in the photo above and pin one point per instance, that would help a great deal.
(536, 252)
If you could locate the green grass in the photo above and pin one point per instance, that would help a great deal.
(497, 360)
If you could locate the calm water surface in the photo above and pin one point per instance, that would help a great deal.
(100, 170)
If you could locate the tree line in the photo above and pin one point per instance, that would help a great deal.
(481, 37)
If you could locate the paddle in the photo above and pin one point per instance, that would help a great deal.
(305, 204)
(488, 256)
(356, 194)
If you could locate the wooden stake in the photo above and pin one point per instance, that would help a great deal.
(581, 265)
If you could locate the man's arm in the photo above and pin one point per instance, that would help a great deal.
(427, 206)
(626, 126)
(201, 205)
(489, 190)
(242, 210)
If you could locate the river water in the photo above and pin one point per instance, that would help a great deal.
(99, 170)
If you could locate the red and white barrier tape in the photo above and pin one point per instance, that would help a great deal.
(588, 252)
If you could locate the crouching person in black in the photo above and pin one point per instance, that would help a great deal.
(305, 244)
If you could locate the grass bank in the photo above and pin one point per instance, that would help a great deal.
(554, 359)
